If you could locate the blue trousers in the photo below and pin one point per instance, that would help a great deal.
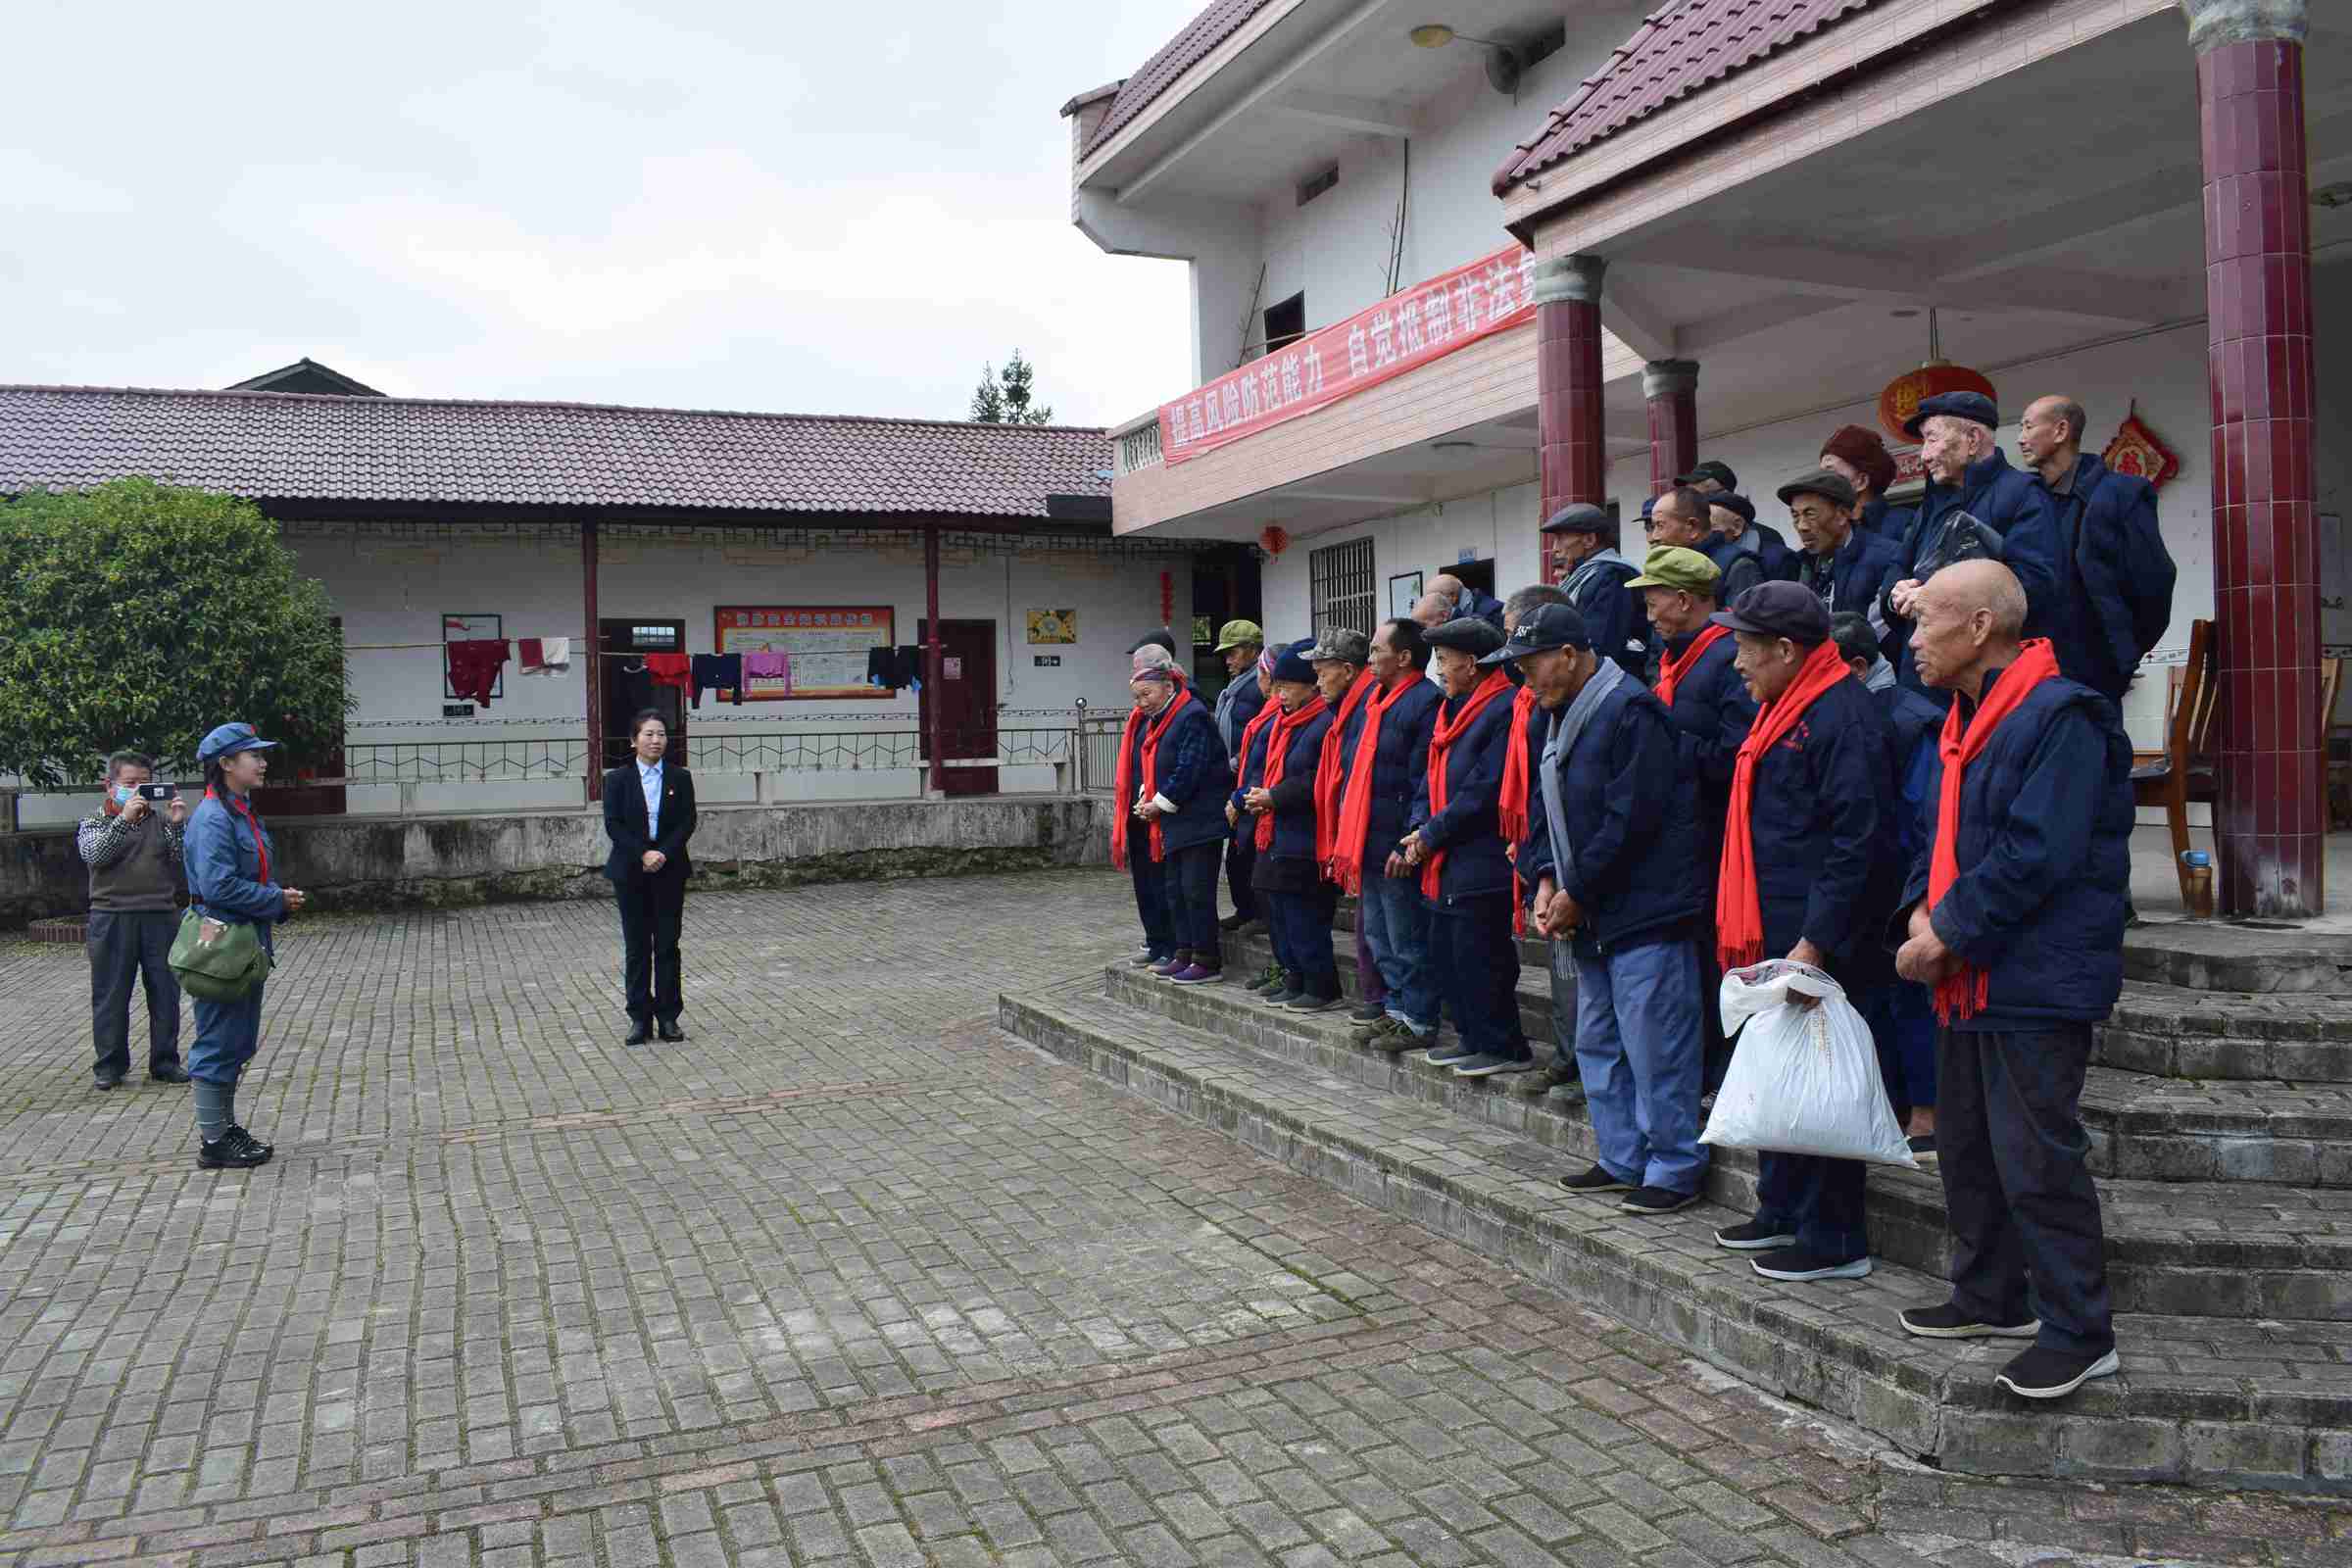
(1150, 894)
(1475, 961)
(227, 1034)
(1302, 922)
(1191, 875)
(1902, 1015)
(1639, 1049)
(1394, 924)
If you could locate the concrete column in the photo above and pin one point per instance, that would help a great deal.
(1671, 387)
(2270, 815)
(1575, 462)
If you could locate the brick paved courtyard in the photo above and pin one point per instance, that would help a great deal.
(849, 1276)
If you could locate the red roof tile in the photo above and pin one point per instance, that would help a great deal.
(309, 446)
(1678, 49)
(1215, 24)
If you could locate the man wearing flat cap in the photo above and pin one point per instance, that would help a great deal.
(1243, 646)
(1711, 710)
(1342, 658)
(1709, 478)
(1454, 840)
(1617, 879)
(1580, 538)
(1968, 474)
(1850, 569)
(1732, 518)
(1810, 873)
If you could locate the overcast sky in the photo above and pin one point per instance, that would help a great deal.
(834, 209)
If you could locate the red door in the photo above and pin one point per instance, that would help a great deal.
(968, 697)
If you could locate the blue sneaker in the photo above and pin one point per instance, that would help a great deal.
(1448, 1056)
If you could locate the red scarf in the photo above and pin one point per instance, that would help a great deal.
(1671, 667)
(1738, 905)
(1440, 741)
(261, 844)
(1515, 787)
(1356, 809)
(1124, 783)
(1962, 993)
(1328, 779)
(1278, 754)
(1267, 713)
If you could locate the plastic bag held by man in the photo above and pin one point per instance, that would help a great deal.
(1802, 1080)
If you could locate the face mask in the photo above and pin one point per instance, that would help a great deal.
(123, 792)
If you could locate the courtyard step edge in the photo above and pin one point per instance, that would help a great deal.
(2179, 1412)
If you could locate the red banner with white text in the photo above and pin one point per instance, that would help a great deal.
(1409, 328)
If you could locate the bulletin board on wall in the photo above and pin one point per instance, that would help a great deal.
(825, 647)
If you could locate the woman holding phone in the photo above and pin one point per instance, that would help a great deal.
(227, 855)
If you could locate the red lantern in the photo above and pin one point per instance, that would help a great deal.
(1272, 540)
(1904, 394)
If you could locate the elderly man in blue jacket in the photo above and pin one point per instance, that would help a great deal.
(1453, 839)
(1617, 878)
(1239, 644)
(1848, 567)
(2117, 573)
(1967, 473)
(1378, 789)
(2016, 921)
(1582, 540)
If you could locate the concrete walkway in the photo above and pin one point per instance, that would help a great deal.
(849, 1277)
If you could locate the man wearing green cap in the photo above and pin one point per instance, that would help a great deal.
(1711, 710)
(1241, 643)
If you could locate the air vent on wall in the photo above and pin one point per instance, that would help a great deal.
(1316, 185)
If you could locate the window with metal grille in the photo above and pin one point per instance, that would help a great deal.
(1340, 577)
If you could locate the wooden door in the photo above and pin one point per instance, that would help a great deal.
(626, 689)
(968, 697)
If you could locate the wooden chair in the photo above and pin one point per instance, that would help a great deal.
(2183, 772)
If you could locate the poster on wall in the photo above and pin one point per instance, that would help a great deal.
(1052, 625)
(1404, 591)
(797, 652)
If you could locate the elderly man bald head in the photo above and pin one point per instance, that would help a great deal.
(1968, 618)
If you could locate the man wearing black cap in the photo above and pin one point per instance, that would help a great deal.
(1684, 519)
(1617, 878)
(1454, 840)
(1709, 478)
(1849, 569)
(1733, 517)
(1969, 474)
(1594, 575)
(1299, 902)
(1809, 873)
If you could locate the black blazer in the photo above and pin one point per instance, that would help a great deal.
(624, 821)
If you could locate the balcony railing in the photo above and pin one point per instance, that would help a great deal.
(1137, 445)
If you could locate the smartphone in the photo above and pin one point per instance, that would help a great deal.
(159, 792)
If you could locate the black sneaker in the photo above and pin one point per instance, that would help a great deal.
(1922, 1149)
(1754, 1236)
(1367, 1013)
(106, 1081)
(2046, 1374)
(1796, 1264)
(253, 1143)
(1269, 983)
(1149, 961)
(1948, 1322)
(167, 1072)
(1657, 1201)
(1233, 922)
(231, 1152)
(1308, 1002)
(1292, 988)
(1594, 1182)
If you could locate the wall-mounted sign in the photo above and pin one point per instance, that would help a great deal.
(1046, 661)
(826, 647)
(1052, 625)
(457, 710)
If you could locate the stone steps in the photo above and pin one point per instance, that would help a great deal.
(2143, 1125)
(2211, 1400)
(2237, 1248)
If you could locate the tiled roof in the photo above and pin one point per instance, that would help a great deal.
(1212, 27)
(1678, 49)
(307, 447)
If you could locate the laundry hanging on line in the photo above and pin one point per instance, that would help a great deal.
(768, 666)
(718, 673)
(475, 664)
(544, 656)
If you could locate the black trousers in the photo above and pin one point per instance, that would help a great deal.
(1241, 856)
(1150, 878)
(1192, 881)
(2027, 1238)
(652, 908)
(127, 946)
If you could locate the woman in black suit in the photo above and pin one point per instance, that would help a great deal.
(649, 815)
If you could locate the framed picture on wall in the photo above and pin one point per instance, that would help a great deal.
(1403, 590)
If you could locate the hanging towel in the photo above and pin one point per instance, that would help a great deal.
(721, 672)
(473, 666)
(544, 656)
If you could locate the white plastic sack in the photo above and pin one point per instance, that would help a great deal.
(1802, 1080)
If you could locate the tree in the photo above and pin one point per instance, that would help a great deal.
(1002, 397)
(140, 615)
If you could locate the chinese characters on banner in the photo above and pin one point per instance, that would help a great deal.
(1402, 331)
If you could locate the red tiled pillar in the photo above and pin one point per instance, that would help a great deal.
(1671, 387)
(2271, 818)
(1567, 295)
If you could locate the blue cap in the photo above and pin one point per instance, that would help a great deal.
(1975, 406)
(1292, 663)
(228, 740)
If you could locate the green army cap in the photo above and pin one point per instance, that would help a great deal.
(1239, 634)
(1673, 566)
